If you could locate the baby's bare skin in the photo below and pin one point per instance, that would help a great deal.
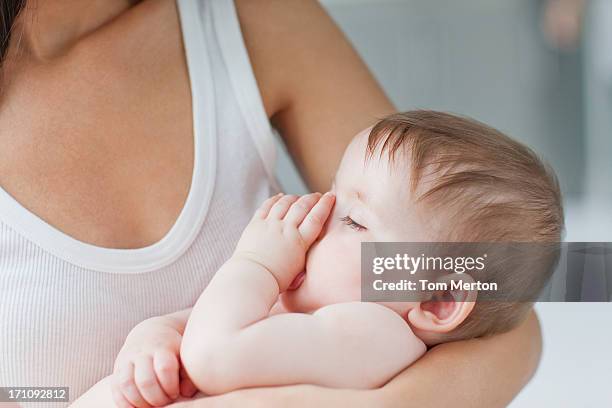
(230, 344)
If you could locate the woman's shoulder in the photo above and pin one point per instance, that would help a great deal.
(279, 38)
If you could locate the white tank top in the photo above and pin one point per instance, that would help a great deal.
(67, 306)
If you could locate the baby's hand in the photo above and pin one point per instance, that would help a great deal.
(281, 232)
(147, 370)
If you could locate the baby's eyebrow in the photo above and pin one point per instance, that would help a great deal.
(366, 205)
(361, 196)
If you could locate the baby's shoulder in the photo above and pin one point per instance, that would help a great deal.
(367, 316)
(377, 332)
(369, 308)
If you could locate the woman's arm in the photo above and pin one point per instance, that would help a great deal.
(486, 372)
(474, 373)
(315, 87)
(98, 396)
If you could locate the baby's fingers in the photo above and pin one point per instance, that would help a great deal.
(118, 398)
(263, 211)
(301, 208)
(146, 380)
(126, 384)
(166, 367)
(312, 225)
(280, 208)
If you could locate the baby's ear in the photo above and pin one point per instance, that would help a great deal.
(446, 309)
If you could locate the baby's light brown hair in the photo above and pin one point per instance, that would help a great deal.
(485, 187)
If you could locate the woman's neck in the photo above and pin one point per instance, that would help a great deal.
(48, 28)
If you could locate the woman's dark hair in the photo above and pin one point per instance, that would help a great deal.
(9, 10)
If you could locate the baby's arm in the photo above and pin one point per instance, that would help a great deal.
(347, 345)
(230, 342)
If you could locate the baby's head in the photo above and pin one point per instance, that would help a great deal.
(425, 176)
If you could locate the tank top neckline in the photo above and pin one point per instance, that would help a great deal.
(189, 222)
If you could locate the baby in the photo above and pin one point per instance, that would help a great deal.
(285, 308)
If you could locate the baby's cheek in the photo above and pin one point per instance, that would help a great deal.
(343, 274)
(353, 270)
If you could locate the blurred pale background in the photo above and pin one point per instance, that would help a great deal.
(542, 80)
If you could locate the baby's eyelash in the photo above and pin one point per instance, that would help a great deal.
(349, 221)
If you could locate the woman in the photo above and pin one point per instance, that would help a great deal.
(136, 144)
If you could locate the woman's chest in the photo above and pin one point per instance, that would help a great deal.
(63, 326)
(106, 157)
